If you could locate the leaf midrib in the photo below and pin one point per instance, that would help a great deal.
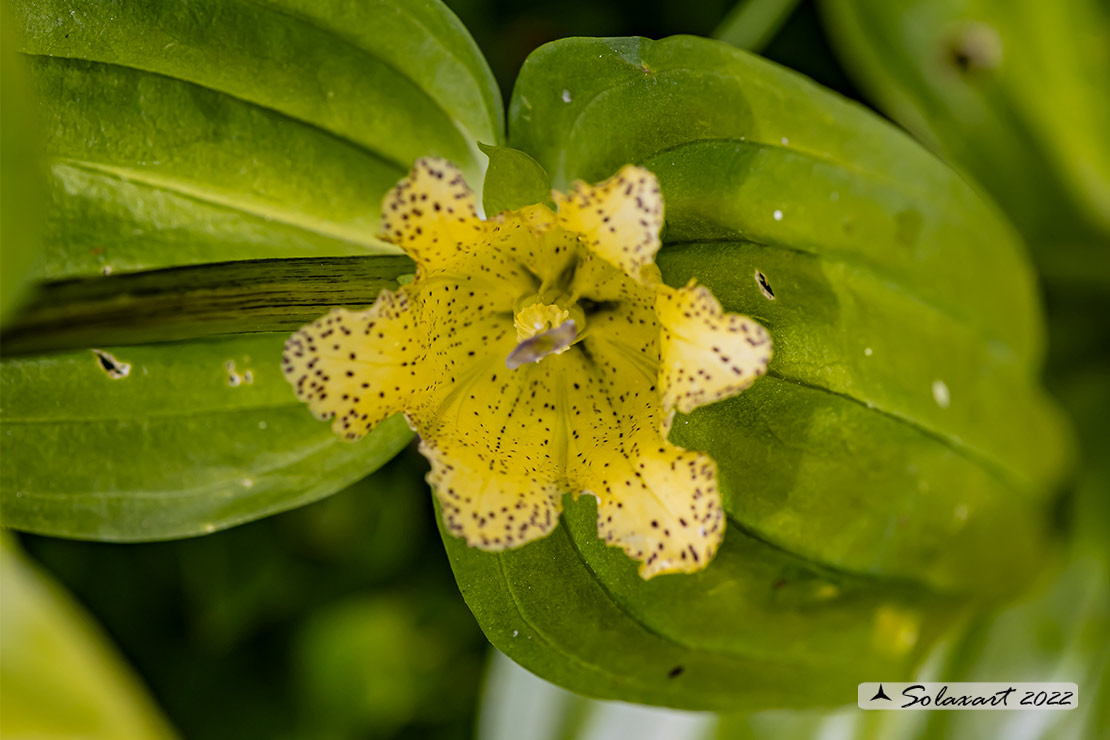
(185, 189)
(955, 444)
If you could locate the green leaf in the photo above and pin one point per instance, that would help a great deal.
(1014, 92)
(513, 180)
(238, 130)
(1057, 632)
(898, 464)
(753, 23)
(167, 440)
(872, 198)
(758, 627)
(846, 438)
(60, 677)
(21, 177)
(178, 137)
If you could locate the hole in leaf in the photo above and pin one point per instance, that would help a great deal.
(110, 365)
(764, 286)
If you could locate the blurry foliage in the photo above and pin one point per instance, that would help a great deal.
(337, 620)
(59, 676)
(1016, 93)
(20, 171)
(753, 23)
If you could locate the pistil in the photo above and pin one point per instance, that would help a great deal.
(544, 329)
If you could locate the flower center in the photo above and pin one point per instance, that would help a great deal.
(543, 329)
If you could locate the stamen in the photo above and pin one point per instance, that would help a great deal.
(552, 342)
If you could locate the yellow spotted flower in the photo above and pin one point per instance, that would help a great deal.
(538, 353)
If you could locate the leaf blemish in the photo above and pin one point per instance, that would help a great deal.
(976, 47)
(675, 672)
(764, 286)
(233, 378)
(115, 369)
(941, 394)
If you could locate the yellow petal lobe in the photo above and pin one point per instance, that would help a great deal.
(661, 506)
(432, 214)
(488, 507)
(356, 367)
(705, 353)
(618, 219)
(495, 445)
(658, 503)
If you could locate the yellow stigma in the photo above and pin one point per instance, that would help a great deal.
(543, 329)
(537, 318)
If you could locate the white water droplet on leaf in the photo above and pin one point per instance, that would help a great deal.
(940, 394)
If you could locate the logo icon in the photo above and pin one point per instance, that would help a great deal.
(880, 694)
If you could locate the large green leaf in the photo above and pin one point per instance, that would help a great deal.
(180, 135)
(59, 676)
(871, 198)
(900, 459)
(1017, 92)
(163, 441)
(188, 133)
(759, 627)
(175, 438)
(1060, 626)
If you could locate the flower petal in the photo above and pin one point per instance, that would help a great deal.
(619, 219)
(705, 353)
(432, 214)
(356, 367)
(486, 504)
(659, 504)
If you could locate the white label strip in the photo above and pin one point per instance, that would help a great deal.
(968, 695)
